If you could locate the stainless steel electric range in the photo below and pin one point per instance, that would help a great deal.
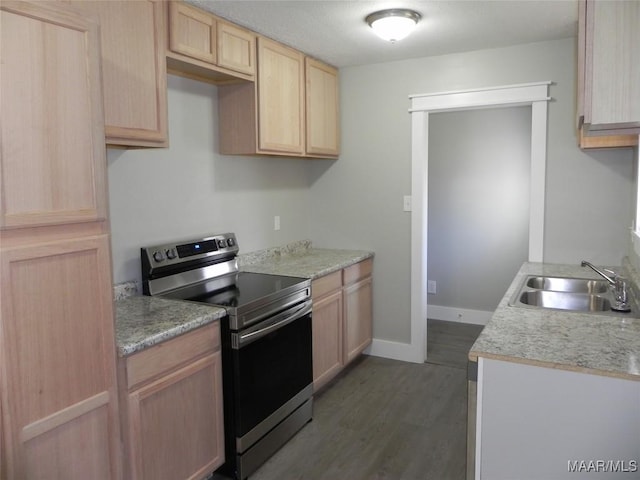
(266, 341)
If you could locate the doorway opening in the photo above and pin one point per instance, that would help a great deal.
(534, 95)
(478, 196)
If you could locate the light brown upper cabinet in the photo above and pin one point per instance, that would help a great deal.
(291, 110)
(236, 48)
(280, 98)
(323, 137)
(52, 131)
(134, 70)
(192, 32)
(205, 47)
(608, 73)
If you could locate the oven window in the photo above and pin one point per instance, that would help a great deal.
(270, 371)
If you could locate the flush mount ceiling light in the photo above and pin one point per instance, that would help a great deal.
(393, 24)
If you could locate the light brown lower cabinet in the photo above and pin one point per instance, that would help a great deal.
(358, 297)
(172, 417)
(57, 361)
(342, 319)
(327, 328)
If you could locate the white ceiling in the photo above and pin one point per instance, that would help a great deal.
(335, 30)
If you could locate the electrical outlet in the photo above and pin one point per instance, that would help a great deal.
(431, 287)
(276, 222)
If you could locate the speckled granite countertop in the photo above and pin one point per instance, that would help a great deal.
(307, 262)
(582, 342)
(143, 321)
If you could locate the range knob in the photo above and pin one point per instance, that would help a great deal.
(222, 243)
(171, 253)
(158, 256)
(230, 242)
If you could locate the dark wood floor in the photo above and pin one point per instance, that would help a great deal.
(384, 420)
(449, 342)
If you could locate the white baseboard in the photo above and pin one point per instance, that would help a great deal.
(462, 315)
(407, 352)
(395, 351)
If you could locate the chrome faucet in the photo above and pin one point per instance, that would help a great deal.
(619, 285)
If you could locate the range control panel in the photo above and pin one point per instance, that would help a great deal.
(174, 253)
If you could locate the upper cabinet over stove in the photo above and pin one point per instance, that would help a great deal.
(208, 48)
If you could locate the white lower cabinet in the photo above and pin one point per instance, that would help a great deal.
(543, 423)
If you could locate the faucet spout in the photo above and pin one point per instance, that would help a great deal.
(620, 288)
(598, 271)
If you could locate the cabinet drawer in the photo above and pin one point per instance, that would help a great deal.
(328, 283)
(358, 271)
(168, 355)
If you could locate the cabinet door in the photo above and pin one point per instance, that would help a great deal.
(52, 125)
(612, 96)
(58, 361)
(192, 32)
(358, 317)
(177, 423)
(280, 98)
(322, 123)
(236, 48)
(327, 338)
(134, 70)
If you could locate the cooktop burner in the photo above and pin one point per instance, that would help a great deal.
(242, 289)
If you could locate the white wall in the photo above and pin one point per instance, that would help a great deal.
(189, 189)
(478, 232)
(357, 202)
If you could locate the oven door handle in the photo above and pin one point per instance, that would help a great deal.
(244, 339)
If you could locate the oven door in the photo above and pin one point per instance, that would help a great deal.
(272, 372)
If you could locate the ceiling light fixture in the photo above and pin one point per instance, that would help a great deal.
(393, 24)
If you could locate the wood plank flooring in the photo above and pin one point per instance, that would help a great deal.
(383, 419)
(449, 342)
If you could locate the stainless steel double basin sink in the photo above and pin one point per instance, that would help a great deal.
(566, 293)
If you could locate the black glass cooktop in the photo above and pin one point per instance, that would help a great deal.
(238, 290)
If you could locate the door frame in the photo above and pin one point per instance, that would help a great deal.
(422, 105)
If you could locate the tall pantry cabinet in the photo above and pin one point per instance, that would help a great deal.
(58, 396)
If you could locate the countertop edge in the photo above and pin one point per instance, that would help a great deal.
(473, 356)
(501, 317)
(142, 312)
(130, 349)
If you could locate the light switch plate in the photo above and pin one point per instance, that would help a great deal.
(406, 203)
